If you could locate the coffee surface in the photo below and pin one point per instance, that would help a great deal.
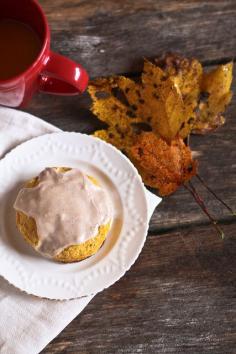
(19, 48)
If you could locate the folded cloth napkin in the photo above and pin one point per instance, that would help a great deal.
(28, 323)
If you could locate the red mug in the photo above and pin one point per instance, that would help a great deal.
(50, 72)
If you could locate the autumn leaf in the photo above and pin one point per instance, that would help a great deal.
(164, 104)
(148, 119)
(156, 101)
(187, 76)
(214, 97)
(111, 106)
(163, 166)
(129, 108)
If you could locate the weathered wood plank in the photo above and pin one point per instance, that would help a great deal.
(179, 297)
(113, 36)
(217, 161)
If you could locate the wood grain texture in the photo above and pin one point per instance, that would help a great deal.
(179, 297)
(113, 36)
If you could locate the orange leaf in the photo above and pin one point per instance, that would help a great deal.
(163, 166)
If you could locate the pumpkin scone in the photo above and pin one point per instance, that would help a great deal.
(63, 214)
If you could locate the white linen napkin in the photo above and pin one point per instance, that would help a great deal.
(28, 323)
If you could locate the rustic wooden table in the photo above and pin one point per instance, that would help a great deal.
(179, 297)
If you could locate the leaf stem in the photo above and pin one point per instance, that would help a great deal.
(190, 187)
(215, 195)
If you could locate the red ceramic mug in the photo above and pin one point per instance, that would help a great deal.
(50, 72)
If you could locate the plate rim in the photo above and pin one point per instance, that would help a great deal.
(23, 145)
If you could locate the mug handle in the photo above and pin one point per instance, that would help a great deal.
(62, 76)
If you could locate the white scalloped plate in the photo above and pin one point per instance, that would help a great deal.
(30, 272)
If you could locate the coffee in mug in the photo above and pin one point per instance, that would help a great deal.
(19, 47)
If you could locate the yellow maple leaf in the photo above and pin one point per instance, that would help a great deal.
(156, 101)
(187, 77)
(215, 96)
